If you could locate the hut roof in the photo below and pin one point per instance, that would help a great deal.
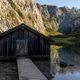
(23, 26)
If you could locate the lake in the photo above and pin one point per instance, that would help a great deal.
(64, 65)
(65, 62)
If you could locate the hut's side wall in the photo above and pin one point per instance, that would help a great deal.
(37, 45)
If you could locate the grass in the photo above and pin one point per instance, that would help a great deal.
(51, 26)
(67, 39)
(15, 8)
(63, 40)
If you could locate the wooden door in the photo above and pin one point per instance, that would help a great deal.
(21, 47)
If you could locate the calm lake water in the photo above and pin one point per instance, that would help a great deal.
(8, 70)
(65, 63)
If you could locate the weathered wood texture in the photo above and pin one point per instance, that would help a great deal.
(38, 46)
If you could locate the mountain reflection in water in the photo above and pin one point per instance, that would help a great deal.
(66, 55)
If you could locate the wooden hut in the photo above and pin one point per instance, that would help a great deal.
(23, 41)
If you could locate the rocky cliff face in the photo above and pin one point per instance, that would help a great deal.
(71, 26)
(61, 19)
(14, 12)
(71, 21)
(47, 19)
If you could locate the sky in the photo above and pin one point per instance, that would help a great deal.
(61, 3)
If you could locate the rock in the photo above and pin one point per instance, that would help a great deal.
(64, 19)
(71, 65)
(63, 64)
(15, 12)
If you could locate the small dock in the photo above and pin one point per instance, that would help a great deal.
(27, 70)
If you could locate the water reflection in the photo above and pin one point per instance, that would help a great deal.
(65, 63)
(67, 76)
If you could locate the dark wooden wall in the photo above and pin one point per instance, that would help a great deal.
(37, 46)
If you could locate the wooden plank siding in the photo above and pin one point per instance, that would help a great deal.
(38, 46)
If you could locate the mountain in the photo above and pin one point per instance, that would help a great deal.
(70, 25)
(48, 15)
(14, 12)
(62, 19)
(46, 19)
(75, 24)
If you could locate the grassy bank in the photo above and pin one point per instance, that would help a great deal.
(67, 39)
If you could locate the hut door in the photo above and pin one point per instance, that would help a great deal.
(21, 47)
